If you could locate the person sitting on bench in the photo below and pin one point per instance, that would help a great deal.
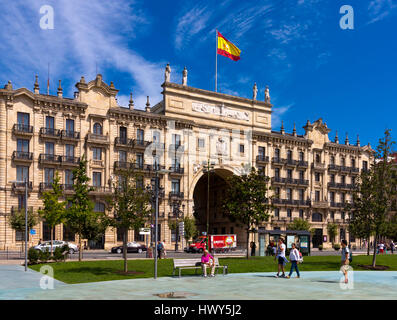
(207, 261)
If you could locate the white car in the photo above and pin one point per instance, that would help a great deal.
(56, 244)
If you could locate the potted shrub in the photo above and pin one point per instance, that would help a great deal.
(320, 247)
(336, 246)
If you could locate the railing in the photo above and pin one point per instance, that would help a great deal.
(333, 167)
(290, 181)
(67, 187)
(68, 134)
(336, 204)
(318, 165)
(21, 185)
(70, 160)
(22, 128)
(97, 138)
(21, 155)
(44, 157)
(290, 162)
(176, 169)
(122, 141)
(45, 186)
(140, 143)
(278, 160)
(51, 132)
(16, 209)
(122, 165)
(302, 163)
(174, 194)
(262, 158)
(292, 202)
(101, 189)
(341, 185)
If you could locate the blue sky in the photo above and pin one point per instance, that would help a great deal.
(313, 68)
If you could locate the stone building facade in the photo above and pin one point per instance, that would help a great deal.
(189, 129)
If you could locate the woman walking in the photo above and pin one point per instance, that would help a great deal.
(295, 257)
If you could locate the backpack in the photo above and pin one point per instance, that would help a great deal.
(350, 256)
(300, 257)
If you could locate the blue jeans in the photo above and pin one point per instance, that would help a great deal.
(294, 265)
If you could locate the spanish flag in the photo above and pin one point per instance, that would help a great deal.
(227, 49)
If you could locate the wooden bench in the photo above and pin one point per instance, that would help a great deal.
(194, 264)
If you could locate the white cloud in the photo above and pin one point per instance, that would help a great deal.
(86, 34)
(278, 113)
(380, 9)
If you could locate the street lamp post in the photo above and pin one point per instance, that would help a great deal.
(175, 206)
(208, 167)
(26, 219)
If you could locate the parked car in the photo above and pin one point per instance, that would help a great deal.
(56, 243)
(131, 248)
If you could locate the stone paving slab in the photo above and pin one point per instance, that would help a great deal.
(16, 284)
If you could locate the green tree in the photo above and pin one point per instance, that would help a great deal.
(247, 199)
(53, 211)
(80, 215)
(374, 197)
(332, 230)
(130, 203)
(17, 220)
(190, 228)
(299, 224)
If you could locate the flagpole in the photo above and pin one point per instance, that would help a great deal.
(216, 60)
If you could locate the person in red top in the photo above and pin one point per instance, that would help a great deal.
(207, 261)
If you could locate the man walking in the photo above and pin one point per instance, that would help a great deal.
(345, 259)
(160, 248)
(392, 247)
(281, 260)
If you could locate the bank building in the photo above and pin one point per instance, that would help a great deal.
(312, 177)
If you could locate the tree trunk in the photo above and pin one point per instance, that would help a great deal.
(80, 249)
(52, 240)
(125, 251)
(248, 242)
(374, 256)
(368, 242)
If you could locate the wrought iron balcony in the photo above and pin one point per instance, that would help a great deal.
(262, 158)
(140, 144)
(45, 186)
(70, 135)
(277, 160)
(176, 170)
(318, 165)
(22, 156)
(20, 186)
(336, 204)
(101, 190)
(290, 162)
(122, 165)
(68, 188)
(333, 167)
(70, 161)
(175, 194)
(302, 164)
(22, 129)
(123, 142)
(49, 158)
(50, 133)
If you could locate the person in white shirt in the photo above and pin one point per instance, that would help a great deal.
(295, 257)
(281, 257)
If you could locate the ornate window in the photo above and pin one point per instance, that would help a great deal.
(97, 128)
(317, 217)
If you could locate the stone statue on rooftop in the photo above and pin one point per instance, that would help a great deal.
(184, 77)
(267, 95)
(167, 73)
(254, 91)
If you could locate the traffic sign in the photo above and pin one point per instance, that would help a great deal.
(144, 231)
(32, 232)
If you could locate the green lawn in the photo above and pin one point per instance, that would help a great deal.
(92, 271)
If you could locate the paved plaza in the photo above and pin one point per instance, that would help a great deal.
(16, 284)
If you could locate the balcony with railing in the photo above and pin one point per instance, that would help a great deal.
(333, 167)
(70, 135)
(100, 190)
(140, 144)
(336, 204)
(68, 188)
(22, 156)
(334, 185)
(70, 161)
(20, 186)
(50, 133)
(177, 170)
(123, 165)
(302, 164)
(319, 204)
(291, 202)
(123, 142)
(49, 159)
(22, 129)
(45, 186)
(278, 161)
(318, 166)
(97, 138)
(290, 162)
(175, 194)
(262, 159)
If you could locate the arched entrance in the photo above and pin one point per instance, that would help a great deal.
(219, 223)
